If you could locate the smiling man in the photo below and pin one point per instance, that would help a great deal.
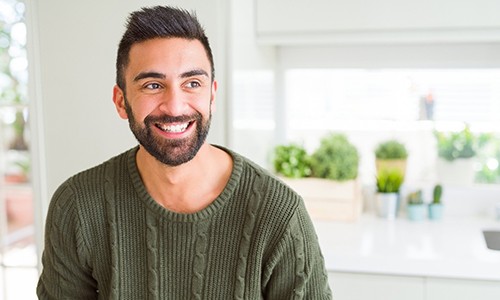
(176, 217)
(178, 70)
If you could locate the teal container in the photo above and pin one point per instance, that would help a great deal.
(435, 211)
(417, 212)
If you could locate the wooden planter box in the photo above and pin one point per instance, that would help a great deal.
(329, 200)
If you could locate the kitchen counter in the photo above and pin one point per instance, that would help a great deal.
(449, 248)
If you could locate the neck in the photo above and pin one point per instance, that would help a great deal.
(189, 187)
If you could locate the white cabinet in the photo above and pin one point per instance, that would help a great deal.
(353, 286)
(357, 286)
(459, 289)
(308, 21)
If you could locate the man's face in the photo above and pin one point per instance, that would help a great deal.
(169, 97)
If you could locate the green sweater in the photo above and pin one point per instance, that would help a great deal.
(106, 238)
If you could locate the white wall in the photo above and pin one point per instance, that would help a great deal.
(360, 21)
(72, 54)
(248, 56)
(354, 15)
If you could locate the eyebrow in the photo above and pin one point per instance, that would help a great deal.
(187, 74)
(195, 72)
(143, 75)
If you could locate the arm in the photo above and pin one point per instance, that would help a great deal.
(66, 275)
(297, 270)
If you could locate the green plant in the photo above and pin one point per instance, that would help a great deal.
(391, 149)
(13, 90)
(336, 158)
(415, 198)
(389, 181)
(461, 144)
(489, 168)
(292, 161)
(436, 194)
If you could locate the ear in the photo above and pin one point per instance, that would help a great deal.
(212, 96)
(119, 100)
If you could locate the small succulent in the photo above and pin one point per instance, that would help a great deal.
(415, 198)
(436, 194)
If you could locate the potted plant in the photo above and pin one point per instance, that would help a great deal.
(416, 207)
(388, 183)
(436, 206)
(391, 154)
(456, 153)
(292, 161)
(335, 159)
(326, 179)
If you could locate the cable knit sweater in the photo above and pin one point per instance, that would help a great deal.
(106, 238)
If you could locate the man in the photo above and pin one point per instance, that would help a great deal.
(176, 217)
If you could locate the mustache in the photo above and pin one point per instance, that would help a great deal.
(172, 119)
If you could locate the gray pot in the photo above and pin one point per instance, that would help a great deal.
(387, 205)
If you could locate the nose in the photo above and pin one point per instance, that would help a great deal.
(172, 102)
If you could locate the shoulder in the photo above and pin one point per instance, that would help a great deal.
(88, 187)
(277, 199)
(103, 171)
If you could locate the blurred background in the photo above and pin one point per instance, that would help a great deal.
(425, 74)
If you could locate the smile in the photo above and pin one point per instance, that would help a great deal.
(174, 128)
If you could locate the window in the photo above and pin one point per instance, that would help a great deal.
(253, 115)
(18, 258)
(372, 105)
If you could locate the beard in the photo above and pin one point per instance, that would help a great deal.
(171, 152)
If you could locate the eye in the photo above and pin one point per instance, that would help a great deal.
(193, 84)
(152, 86)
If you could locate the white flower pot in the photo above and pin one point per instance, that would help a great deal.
(387, 205)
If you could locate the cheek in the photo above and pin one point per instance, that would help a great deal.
(140, 112)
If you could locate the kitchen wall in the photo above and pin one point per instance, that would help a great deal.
(72, 54)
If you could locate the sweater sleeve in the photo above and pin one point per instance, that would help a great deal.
(65, 275)
(296, 269)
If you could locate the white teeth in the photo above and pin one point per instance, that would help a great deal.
(173, 128)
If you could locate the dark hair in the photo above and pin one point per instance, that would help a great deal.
(159, 22)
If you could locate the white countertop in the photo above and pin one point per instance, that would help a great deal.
(450, 248)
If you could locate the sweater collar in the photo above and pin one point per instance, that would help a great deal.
(205, 213)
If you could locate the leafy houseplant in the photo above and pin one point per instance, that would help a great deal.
(388, 183)
(292, 161)
(461, 144)
(416, 206)
(335, 159)
(391, 154)
(456, 152)
(326, 179)
(436, 207)
(391, 149)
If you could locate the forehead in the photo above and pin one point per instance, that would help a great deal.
(167, 55)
